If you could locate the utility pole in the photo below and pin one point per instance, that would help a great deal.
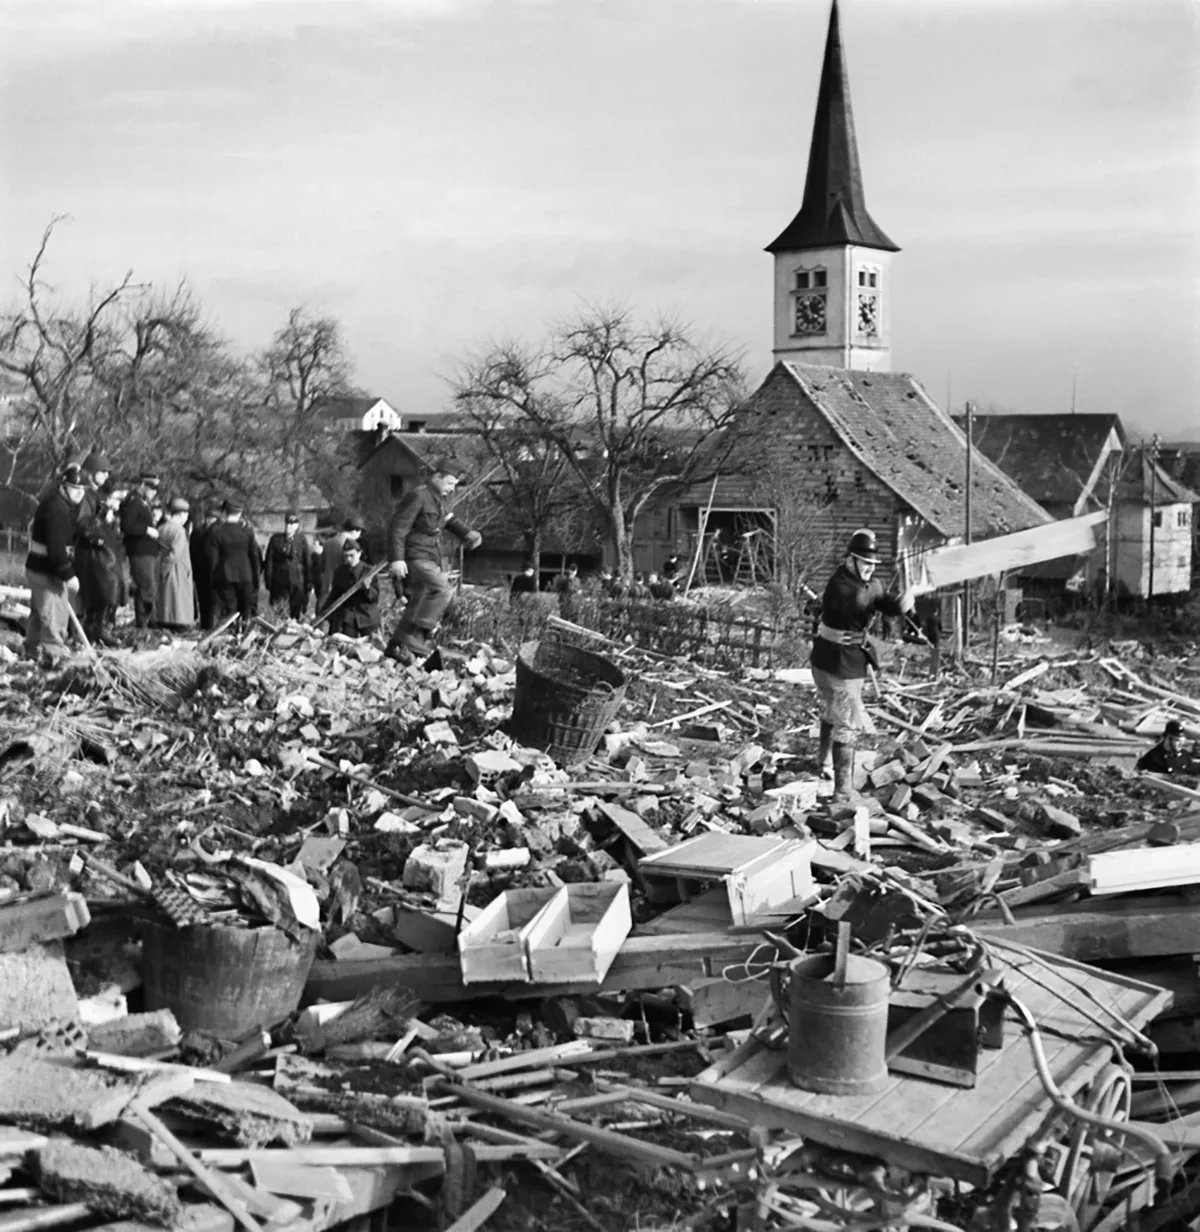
(1155, 442)
(970, 411)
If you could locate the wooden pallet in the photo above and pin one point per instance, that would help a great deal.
(940, 1130)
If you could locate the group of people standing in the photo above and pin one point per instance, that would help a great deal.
(93, 546)
(85, 532)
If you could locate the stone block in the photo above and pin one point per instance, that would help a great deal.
(437, 869)
(36, 988)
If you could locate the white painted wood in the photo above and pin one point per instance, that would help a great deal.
(1146, 868)
(494, 945)
(577, 937)
(947, 566)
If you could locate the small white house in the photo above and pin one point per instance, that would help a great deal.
(1153, 514)
(354, 413)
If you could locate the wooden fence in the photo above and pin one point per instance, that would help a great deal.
(717, 636)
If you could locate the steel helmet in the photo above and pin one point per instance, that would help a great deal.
(862, 545)
(72, 476)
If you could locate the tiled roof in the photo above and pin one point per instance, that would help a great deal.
(1050, 456)
(428, 448)
(347, 406)
(1148, 482)
(902, 436)
(834, 210)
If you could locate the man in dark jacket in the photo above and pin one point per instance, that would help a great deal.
(50, 567)
(97, 565)
(1167, 756)
(359, 615)
(235, 566)
(289, 567)
(202, 568)
(841, 652)
(140, 536)
(415, 553)
(525, 582)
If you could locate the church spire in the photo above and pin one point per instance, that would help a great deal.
(834, 210)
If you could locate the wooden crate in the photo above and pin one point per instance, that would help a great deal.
(758, 872)
(493, 947)
(578, 934)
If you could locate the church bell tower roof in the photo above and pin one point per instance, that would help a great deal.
(834, 210)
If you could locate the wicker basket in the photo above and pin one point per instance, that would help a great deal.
(224, 981)
(566, 696)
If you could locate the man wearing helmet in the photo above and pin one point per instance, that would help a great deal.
(50, 567)
(841, 653)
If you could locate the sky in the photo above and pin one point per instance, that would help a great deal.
(437, 174)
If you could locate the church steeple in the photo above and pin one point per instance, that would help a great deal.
(834, 210)
(832, 259)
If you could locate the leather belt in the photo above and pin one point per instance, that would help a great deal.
(841, 637)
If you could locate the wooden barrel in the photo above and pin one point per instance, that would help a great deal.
(224, 981)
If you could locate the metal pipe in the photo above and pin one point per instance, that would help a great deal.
(1164, 1160)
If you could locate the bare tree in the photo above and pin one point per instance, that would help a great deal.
(535, 487)
(53, 355)
(637, 411)
(305, 367)
(806, 542)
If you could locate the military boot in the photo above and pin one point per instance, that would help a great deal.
(843, 772)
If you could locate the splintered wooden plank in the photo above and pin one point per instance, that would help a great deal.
(645, 840)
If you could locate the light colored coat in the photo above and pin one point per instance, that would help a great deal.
(175, 595)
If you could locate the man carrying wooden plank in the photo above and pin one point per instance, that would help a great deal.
(841, 652)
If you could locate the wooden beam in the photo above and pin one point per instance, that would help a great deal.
(480, 1212)
(607, 1139)
(643, 962)
(1136, 928)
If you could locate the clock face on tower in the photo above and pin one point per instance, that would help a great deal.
(868, 315)
(810, 314)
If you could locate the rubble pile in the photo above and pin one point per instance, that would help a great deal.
(516, 976)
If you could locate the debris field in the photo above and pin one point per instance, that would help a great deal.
(478, 986)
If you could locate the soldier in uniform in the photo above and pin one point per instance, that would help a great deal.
(50, 568)
(415, 553)
(841, 652)
(289, 567)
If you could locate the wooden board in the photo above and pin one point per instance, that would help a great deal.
(950, 565)
(644, 962)
(941, 1130)
(1137, 927)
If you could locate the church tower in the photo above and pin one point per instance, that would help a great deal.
(831, 261)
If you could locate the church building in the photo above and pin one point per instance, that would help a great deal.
(837, 440)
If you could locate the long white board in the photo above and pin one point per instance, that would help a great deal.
(950, 565)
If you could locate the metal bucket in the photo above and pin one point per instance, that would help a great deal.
(837, 1037)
